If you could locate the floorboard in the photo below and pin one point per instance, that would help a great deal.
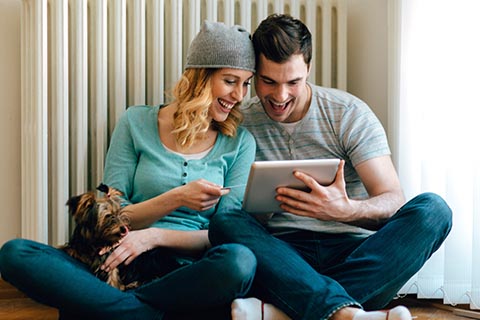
(14, 305)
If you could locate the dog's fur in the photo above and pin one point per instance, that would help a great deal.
(100, 224)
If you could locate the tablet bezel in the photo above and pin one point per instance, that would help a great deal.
(266, 176)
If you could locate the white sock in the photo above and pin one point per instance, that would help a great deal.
(251, 309)
(397, 313)
(246, 309)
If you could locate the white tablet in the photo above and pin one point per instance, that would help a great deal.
(266, 176)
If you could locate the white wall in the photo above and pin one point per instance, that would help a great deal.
(9, 119)
(367, 78)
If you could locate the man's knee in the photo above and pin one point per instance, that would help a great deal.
(433, 213)
(221, 224)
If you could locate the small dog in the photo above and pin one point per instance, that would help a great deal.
(101, 223)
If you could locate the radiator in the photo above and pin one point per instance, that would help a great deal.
(85, 61)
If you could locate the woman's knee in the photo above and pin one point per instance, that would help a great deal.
(10, 254)
(239, 263)
(240, 259)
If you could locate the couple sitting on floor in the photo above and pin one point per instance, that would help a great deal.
(336, 252)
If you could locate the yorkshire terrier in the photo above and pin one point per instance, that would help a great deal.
(101, 223)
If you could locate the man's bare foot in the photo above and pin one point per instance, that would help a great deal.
(252, 309)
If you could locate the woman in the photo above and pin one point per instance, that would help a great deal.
(174, 165)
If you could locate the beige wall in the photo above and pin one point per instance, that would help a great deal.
(367, 78)
(367, 54)
(10, 119)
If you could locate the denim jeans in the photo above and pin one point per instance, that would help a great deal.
(50, 276)
(311, 275)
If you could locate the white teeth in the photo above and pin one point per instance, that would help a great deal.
(279, 106)
(226, 105)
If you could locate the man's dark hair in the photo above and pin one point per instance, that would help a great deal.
(280, 36)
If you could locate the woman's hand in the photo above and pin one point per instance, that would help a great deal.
(136, 242)
(201, 194)
(131, 246)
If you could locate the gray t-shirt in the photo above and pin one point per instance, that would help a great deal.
(337, 125)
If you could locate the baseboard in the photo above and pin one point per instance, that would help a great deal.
(467, 313)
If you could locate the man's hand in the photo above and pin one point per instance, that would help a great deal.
(328, 203)
(331, 203)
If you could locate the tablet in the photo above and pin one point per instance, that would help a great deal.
(266, 176)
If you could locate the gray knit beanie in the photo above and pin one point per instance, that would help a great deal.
(219, 46)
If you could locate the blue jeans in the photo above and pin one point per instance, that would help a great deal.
(50, 276)
(311, 275)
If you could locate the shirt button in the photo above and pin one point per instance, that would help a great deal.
(184, 174)
(185, 164)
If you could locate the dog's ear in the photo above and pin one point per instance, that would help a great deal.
(79, 205)
(72, 204)
(114, 192)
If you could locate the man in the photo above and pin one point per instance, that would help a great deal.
(338, 248)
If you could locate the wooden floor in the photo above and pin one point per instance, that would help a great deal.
(14, 305)
(432, 309)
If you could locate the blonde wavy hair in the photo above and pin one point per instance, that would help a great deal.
(193, 98)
